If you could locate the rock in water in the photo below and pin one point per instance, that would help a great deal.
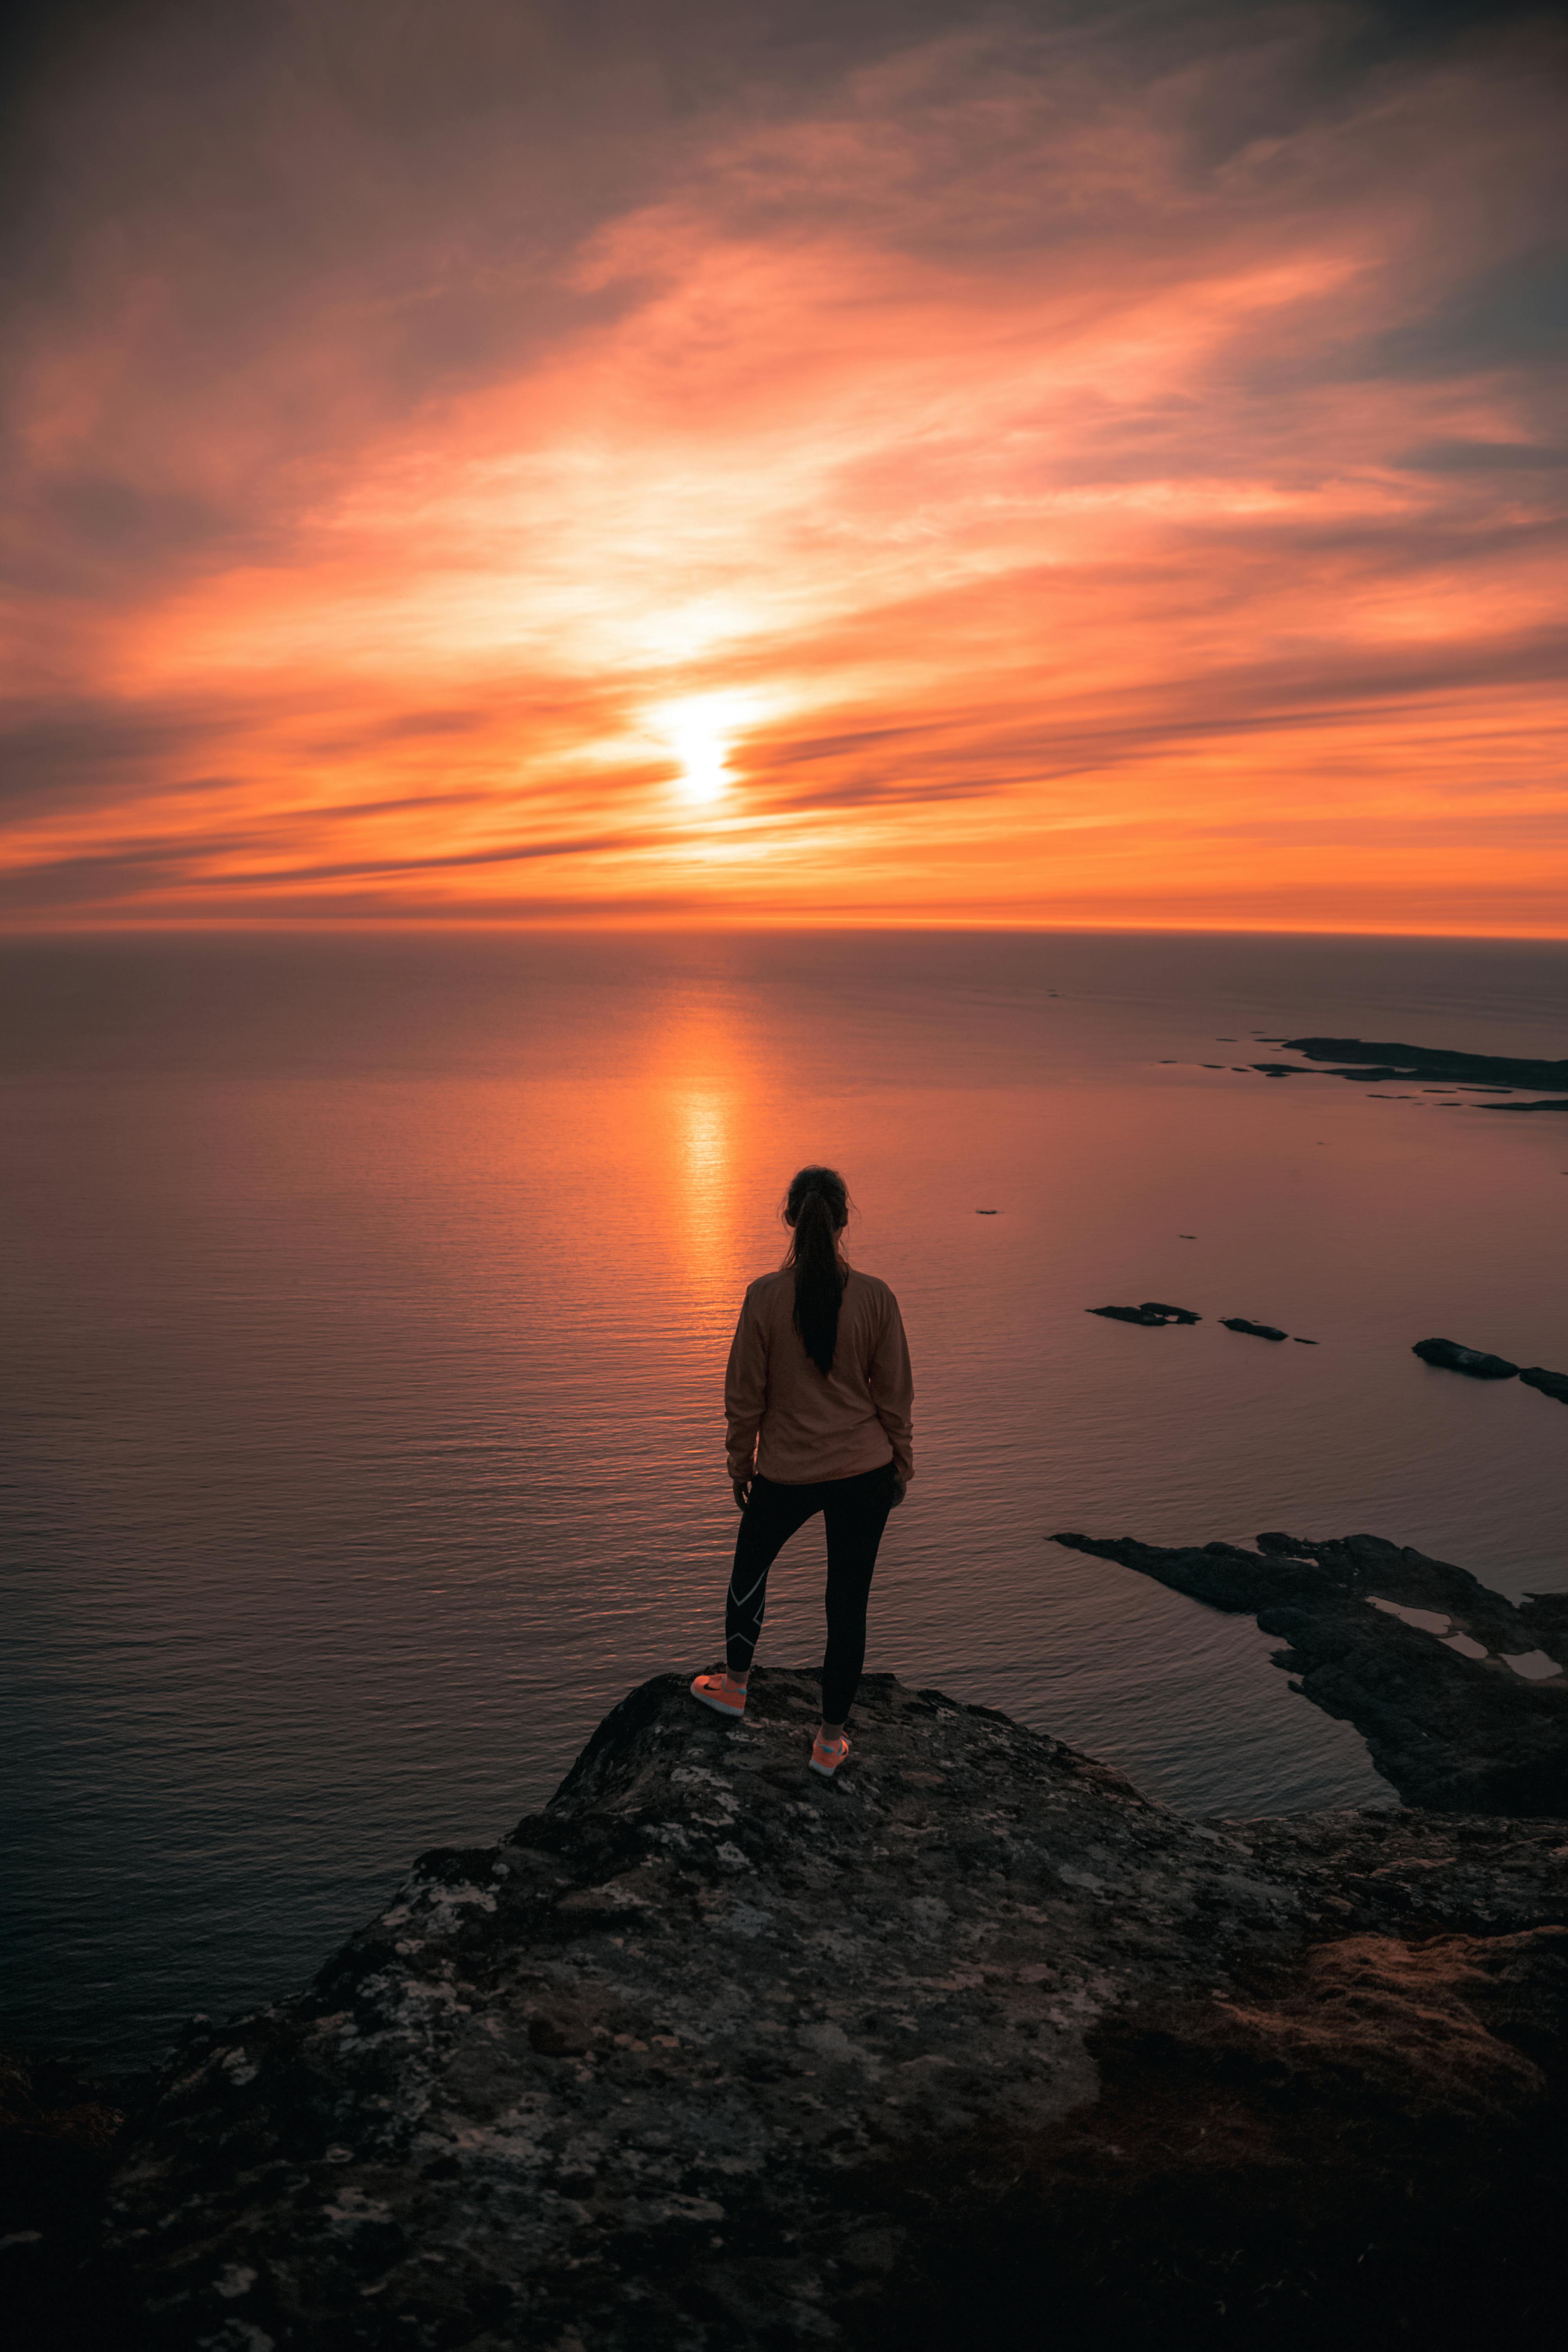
(713, 2057)
(1450, 1731)
(1551, 1384)
(1257, 1330)
(1450, 1357)
(1152, 1311)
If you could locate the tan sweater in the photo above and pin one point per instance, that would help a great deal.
(792, 1424)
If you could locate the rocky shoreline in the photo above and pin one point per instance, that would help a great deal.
(1466, 1712)
(709, 2053)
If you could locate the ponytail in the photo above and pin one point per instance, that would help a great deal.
(816, 1209)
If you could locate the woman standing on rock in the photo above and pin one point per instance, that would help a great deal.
(817, 1398)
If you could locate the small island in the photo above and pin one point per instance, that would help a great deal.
(1434, 1067)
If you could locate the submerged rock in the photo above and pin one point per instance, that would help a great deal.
(1446, 1718)
(1256, 1330)
(1152, 1311)
(710, 2055)
(1450, 1357)
(1551, 1384)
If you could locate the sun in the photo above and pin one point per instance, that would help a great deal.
(703, 751)
(699, 731)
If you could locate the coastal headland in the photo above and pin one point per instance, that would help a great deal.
(978, 2044)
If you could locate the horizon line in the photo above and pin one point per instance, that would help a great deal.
(490, 925)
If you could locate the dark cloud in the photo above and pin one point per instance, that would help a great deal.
(136, 872)
(399, 726)
(1384, 28)
(399, 802)
(506, 853)
(96, 880)
(1483, 457)
(1513, 314)
(53, 757)
(80, 530)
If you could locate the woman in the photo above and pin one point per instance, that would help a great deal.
(817, 1399)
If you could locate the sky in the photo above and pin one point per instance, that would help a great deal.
(885, 463)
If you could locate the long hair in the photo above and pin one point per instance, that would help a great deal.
(817, 1210)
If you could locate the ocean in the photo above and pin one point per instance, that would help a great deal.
(368, 1299)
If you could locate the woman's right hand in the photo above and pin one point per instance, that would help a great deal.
(740, 1489)
(900, 1488)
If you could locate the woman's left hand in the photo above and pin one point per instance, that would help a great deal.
(740, 1489)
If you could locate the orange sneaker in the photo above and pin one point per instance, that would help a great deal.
(827, 1755)
(724, 1695)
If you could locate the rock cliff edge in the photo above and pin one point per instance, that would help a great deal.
(977, 2045)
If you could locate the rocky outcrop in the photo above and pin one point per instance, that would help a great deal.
(1383, 1061)
(1450, 1357)
(1152, 1311)
(1256, 1330)
(1461, 1697)
(712, 2054)
(1551, 1384)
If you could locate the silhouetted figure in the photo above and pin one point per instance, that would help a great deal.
(817, 1399)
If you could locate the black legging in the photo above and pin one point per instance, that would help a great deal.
(856, 1512)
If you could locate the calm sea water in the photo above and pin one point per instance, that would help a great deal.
(369, 1301)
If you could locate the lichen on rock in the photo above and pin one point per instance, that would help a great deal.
(709, 2053)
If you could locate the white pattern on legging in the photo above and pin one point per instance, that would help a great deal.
(739, 1603)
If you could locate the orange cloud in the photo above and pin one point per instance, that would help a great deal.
(1009, 483)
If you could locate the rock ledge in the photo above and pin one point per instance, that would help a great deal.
(710, 2055)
